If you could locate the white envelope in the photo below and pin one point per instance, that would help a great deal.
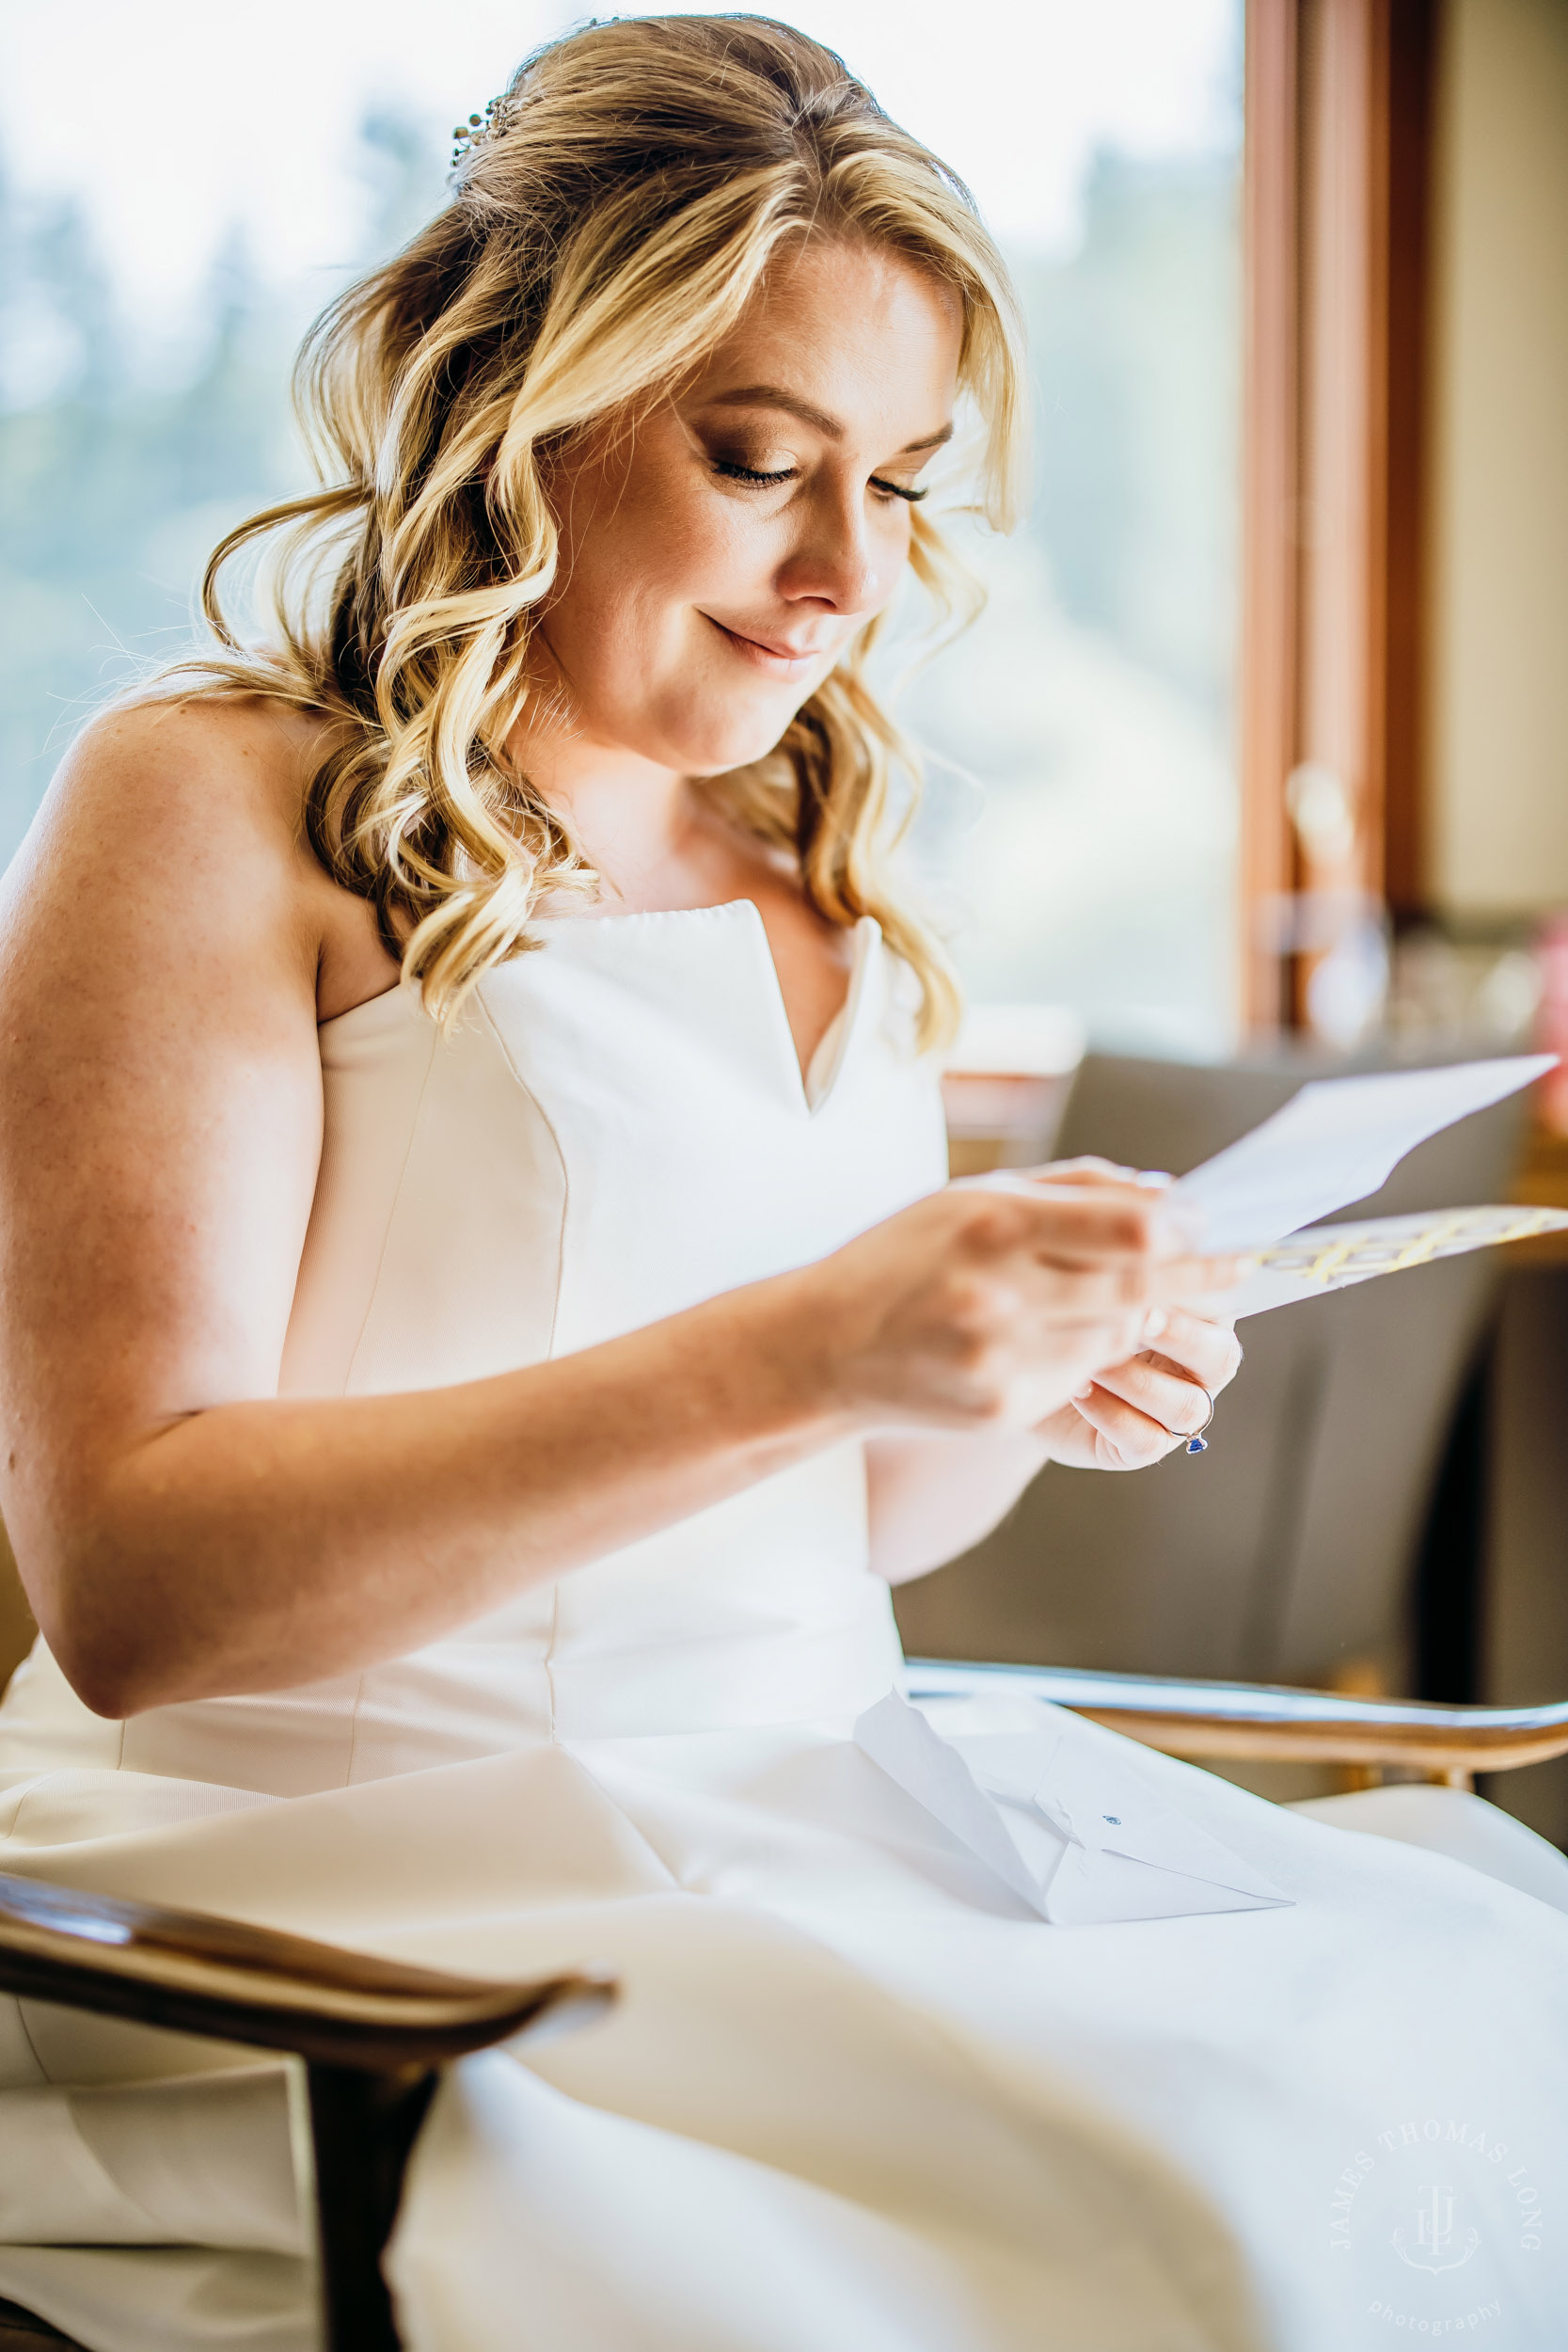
(1334, 1142)
(1078, 1833)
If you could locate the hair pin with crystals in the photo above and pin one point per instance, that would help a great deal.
(468, 136)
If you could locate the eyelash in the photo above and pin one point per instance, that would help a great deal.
(733, 472)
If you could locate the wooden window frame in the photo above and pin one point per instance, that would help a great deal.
(1336, 205)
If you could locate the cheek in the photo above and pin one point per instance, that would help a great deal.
(626, 625)
(694, 552)
(639, 571)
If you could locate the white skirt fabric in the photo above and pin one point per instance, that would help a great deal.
(855, 2097)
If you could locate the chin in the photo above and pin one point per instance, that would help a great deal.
(733, 738)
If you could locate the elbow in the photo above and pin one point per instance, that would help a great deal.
(106, 1674)
(101, 1575)
(105, 1648)
(103, 1687)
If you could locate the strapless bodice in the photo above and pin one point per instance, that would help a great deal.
(618, 1129)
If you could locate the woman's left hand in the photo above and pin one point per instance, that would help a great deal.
(1133, 1413)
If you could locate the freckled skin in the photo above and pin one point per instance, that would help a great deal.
(658, 546)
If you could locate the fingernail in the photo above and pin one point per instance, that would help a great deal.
(1079, 1394)
(1155, 1322)
(1155, 1178)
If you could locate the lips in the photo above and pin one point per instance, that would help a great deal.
(775, 655)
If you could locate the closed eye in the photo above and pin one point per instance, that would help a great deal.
(734, 472)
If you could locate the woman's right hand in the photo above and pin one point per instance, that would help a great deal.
(989, 1306)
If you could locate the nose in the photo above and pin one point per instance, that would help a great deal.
(836, 561)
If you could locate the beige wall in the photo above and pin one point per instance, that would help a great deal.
(1498, 687)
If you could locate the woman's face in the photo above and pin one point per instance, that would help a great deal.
(717, 560)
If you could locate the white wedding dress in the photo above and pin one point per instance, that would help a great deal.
(857, 2097)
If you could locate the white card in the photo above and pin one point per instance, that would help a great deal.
(1074, 1829)
(1331, 1256)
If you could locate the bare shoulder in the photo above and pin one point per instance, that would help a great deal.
(160, 940)
(168, 801)
(172, 838)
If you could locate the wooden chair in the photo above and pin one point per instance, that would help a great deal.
(372, 2034)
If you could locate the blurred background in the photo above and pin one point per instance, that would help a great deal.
(1255, 765)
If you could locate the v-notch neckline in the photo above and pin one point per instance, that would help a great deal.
(866, 930)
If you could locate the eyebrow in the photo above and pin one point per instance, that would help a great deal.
(775, 396)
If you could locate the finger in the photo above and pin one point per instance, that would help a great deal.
(1122, 1224)
(1079, 1221)
(1136, 1437)
(1177, 1403)
(1071, 1226)
(1081, 1290)
(1087, 1170)
(1105, 1185)
(1209, 1351)
(1194, 1277)
(1111, 1245)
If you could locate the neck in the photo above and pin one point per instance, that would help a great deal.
(631, 818)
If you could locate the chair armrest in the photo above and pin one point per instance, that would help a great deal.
(219, 1977)
(1268, 1721)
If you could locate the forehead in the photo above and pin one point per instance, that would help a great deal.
(859, 333)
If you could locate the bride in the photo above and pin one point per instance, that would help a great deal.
(483, 1324)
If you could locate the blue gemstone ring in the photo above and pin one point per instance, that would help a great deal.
(1197, 1442)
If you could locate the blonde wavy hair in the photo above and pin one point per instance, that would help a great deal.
(611, 221)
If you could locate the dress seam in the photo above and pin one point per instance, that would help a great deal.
(549, 1657)
(523, 1087)
(548, 1126)
(353, 1733)
(375, 1290)
(371, 1297)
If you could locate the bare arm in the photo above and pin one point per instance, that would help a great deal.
(184, 1532)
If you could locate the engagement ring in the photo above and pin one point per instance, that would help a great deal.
(1197, 1442)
